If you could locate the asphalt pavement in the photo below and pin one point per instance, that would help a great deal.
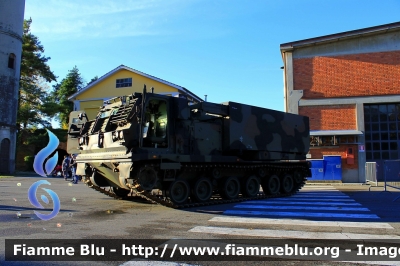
(323, 211)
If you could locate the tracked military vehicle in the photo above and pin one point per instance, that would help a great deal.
(178, 153)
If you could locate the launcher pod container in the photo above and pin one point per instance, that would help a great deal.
(178, 153)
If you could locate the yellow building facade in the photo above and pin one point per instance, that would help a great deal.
(122, 81)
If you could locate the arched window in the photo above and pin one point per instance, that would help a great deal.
(11, 61)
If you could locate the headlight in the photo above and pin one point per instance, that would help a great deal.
(121, 134)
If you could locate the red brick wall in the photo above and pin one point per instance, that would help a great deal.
(348, 75)
(318, 153)
(330, 117)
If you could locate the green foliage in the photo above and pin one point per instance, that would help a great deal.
(34, 141)
(34, 104)
(33, 63)
(72, 83)
(29, 162)
(92, 80)
(39, 137)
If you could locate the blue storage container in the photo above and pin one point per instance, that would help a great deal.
(317, 170)
(333, 167)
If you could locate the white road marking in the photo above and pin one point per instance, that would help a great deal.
(319, 188)
(285, 233)
(293, 222)
(309, 199)
(303, 214)
(314, 202)
(319, 196)
(311, 208)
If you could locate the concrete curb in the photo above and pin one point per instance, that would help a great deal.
(24, 174)
(335, 184)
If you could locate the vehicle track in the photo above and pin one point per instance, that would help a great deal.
(157, 197)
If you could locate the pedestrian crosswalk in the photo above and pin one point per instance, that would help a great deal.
(312, 202)
(314, 206)
(316, 212)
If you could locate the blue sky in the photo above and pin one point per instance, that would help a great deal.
(226, 49)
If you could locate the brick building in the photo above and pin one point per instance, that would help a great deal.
(349, 85)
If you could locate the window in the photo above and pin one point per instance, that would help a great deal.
(155, 126)
(332, 141)
(124, 83)
(382, 131)
(11, 61)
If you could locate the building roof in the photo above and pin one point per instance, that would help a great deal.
(334, 132)
(180, 89)
(341, 36)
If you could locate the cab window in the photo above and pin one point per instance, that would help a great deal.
(155, 124)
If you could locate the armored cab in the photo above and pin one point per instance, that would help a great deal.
(176, 152)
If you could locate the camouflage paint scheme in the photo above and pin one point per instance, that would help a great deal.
(271, 134)
(134, 130)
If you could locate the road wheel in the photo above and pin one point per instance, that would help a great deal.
(120, 192)
(251, 186)
(271, 185)
(202, 190)
(178, 191)
(147, 178)
(298, 177)
(287, 184)
(230, 188)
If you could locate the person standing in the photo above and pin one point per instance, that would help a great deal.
(72, 164)
(65, 167)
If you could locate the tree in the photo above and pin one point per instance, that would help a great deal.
(92, 80)
(34, 102)
(72, 83)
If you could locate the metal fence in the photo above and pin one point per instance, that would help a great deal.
(392, 173)
(371, 173)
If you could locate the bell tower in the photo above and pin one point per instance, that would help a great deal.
(11, 30)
